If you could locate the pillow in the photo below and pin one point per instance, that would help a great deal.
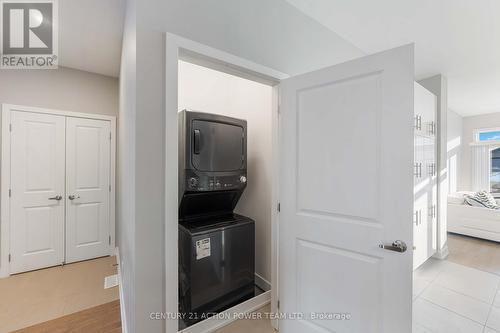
(456, 198)
(490, 199)
(481, 199)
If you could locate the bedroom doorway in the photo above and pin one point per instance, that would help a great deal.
(457, 291)
(461, 292)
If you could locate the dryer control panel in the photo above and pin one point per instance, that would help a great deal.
(195, 182)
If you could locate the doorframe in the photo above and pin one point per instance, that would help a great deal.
(5, 184)
(179, 48)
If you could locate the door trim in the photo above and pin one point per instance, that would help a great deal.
(179, 48)
(5, 184)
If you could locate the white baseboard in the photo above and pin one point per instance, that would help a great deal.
(262, 283)
(442, 253)
(120, 289)
(230, 315)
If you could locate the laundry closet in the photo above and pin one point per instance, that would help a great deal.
(57, 187)
(230, 264)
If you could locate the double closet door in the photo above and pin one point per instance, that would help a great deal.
(60, 190)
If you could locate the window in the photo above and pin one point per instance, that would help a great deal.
(488, 136)
(495, 171)
(486, 160)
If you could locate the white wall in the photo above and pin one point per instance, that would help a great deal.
(470, 124)
(271, 33)
(64, 88)
(125, 208)
(207, 90)
(454, 150)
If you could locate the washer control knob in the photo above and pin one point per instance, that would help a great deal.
(243, 179)
(193, 182)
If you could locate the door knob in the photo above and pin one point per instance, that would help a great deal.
(57, 197)
(73, 197)
(397, 246)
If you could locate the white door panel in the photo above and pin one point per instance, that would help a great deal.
(87, 187)
(37, 174)
(346, 187)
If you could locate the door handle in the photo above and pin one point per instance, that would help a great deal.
(57, 197)
(196, 141)
(397, 246)
(73, 197)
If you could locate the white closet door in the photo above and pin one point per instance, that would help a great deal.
(432, 188)
(87, 188)
(37, 185)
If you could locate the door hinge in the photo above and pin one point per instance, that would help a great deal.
(109, 239)
(278, 305)
(279, 207)
(10, 193)
(9, 257)
(110, 135)
(10, 127)
(109, 188)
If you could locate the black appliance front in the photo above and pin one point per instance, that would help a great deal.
(216, 264)
(212, 163)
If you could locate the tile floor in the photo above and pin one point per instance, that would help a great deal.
(34, 297)
(458, 295)
(449, 297)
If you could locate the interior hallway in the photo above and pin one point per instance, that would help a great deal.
(98, 319)
(39, 296)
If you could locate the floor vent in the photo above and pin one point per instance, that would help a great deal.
(110, 281)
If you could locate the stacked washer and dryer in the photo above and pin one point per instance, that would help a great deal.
(216, 246)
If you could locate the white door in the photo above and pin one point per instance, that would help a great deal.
(37, 191)
(87, 188)
(347, 186)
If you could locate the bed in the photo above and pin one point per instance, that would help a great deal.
(472, 221)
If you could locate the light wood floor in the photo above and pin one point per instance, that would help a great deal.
(474, 252)
(100, 319)
(34, 297)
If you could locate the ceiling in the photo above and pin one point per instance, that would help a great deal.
(90, 35)
(457, 38)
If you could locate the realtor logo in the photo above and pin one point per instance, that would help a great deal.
(28, 35)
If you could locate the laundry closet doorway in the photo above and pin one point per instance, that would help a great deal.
(57, 187)
(328, 251)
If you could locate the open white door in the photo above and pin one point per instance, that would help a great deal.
(87, 188)
(346, 187)
(37, 191)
